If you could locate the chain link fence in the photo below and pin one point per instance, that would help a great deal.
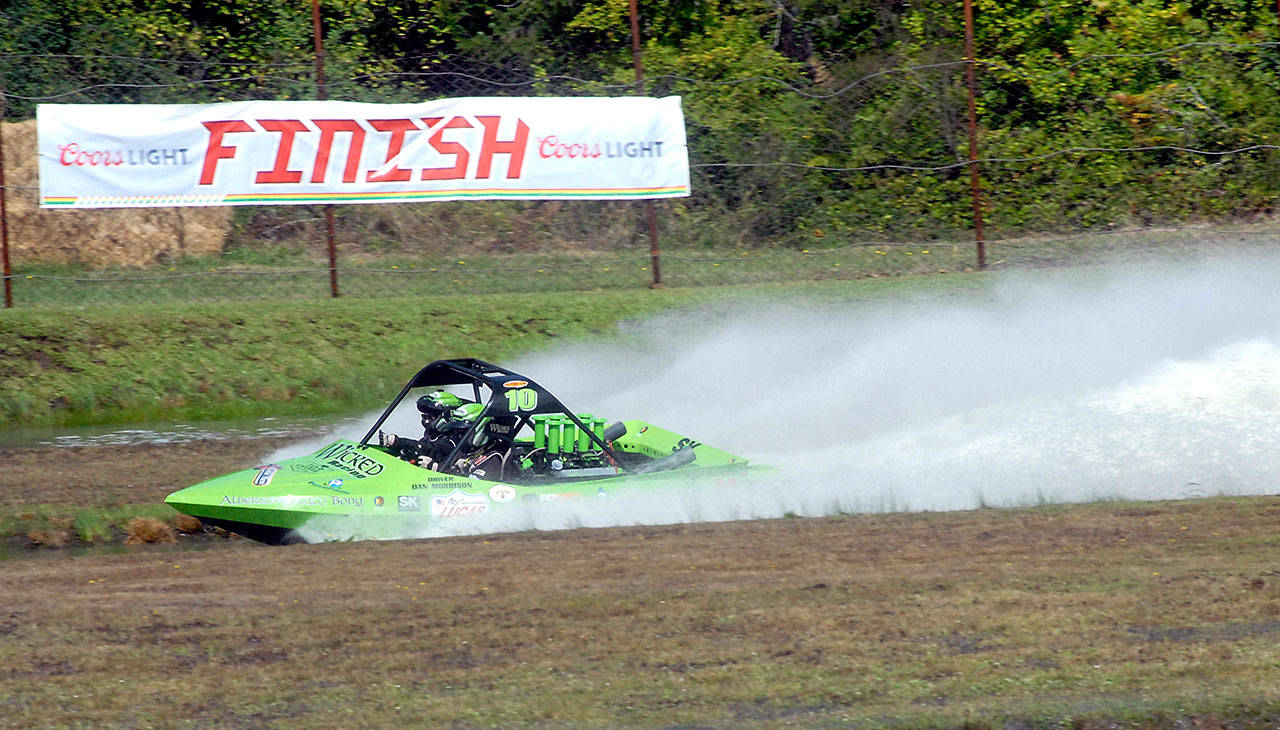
(831, 168)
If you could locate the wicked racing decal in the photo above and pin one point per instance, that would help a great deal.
(348, 458)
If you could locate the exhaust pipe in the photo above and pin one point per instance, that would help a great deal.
(675, 460)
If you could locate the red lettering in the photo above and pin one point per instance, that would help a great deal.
(389, 172)
(551, 147)
(67, 154)
(280, 173)
(547, 147)
(216, 150)
(72, 154)
(460, 154)
(328, 129)
(491, 146)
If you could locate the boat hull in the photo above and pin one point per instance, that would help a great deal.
(347, 490)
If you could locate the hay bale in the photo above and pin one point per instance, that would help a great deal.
(142, 530)
(101, 238)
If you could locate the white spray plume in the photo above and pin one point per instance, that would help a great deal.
(1153, 382)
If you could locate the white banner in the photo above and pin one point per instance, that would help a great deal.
(303, 152)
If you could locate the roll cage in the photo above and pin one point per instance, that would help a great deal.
(509, 396)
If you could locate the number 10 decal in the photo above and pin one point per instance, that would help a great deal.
(522, 399)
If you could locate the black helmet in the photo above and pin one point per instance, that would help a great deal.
(438, 403)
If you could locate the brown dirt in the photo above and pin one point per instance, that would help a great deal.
(105, 476)
(1098, 614)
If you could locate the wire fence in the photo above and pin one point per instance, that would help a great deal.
(522, 274)
(840, 169)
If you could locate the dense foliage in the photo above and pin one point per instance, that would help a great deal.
(810, 120)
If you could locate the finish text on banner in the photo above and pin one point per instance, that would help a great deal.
(304, 152)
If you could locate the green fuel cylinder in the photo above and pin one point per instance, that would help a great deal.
(569, 438)
(553, 435)
(584, 437)
(539, 432)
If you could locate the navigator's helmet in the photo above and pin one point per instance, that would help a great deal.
(438, 403)
(467, 412)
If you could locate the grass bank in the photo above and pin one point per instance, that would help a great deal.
(127, 363)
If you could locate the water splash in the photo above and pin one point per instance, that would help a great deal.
(1160, 382)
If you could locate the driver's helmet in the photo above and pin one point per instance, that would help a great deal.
(435, 406)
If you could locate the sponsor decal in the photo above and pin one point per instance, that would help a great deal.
(264, 475)
(502, 494)
(557, 497)
(379, 501)
(552, 147)
(409, 503)
(347, 501)
(309, 467)
(73, 154)
(332, 484)
(459, 504)
(348, 458)
(234, 499)
(305, 501)
(682, 443)
(515, 384)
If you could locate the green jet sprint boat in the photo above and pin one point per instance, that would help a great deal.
(505, 443)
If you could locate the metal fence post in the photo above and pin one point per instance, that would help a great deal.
(650, 210)
(975, 182)
(322, 93)
(4, 215)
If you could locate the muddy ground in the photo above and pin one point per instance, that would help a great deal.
(104, 476)
(1123, 615)
(48, 494)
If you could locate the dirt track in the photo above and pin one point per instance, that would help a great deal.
(1104, 611)
(876, 621)
(99, 476)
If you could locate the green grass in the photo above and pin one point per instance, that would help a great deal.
(223, 360)
(62, 525)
